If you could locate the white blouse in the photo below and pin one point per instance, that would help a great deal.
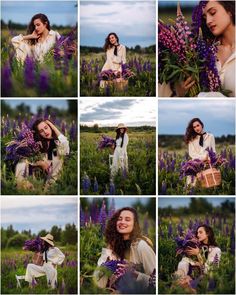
(54, 255)
(62, 144)
(114, 62)
(37, 51)
(198, 152)
(140, 253)
(123, 149)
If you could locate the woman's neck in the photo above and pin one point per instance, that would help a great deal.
(228, 37)
(44, 35)
(126, 237)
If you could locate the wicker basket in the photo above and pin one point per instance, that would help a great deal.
(119, 85)
(38, 258)
(209, 178)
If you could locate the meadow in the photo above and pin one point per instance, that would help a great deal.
(55, 77)
(217, 281)
(95, 171)
(14, 262)
(93, 219)
(171, 183)
(66, 184)
(142, 84)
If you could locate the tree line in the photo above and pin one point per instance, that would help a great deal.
(97, 129)
(11, 238)
(136, 49)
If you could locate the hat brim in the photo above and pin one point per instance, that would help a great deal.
(122, 128)
(48, 241)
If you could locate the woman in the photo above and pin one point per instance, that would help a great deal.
(198, 142)
(125, 242)
(208, 256)
(52, 257)
(120, 157)
(38, 41)
(217, 24)
(115, 53)
(54, 145)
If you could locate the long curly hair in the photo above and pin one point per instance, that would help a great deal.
(115, 239)
(190, 133)
(210, 234)
(44, 19)
(38, 137)
(229, 6)
(119, 134)
(108, 44)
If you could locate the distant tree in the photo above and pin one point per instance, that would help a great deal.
(228, 206)
(200, 206)
(3, 238)
(56, 232)
(95, 128)
(137, 48)
(26, 232)
(72, 107)
(6, 109)
(10, 232)
(42, 233)
(17, 241)
(23, 109)
(69, 235)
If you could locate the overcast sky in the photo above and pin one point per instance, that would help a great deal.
(183, 202)
(37, 213)
(217, 116)
(58, 12)
(112, 111)
(133, 21)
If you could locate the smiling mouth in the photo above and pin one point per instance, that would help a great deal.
(122, 227)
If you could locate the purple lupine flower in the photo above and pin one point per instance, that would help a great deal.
(180, 229)
(161, 164)
(103, 216)
(189, 240)
(112, 264)
(112, 188)
(191, 167)
(170, 230)
(82, 217)
(29, 72)
(43, 82)
(197, 17)
(73, 131)
(6, 83)
(112, 208)
(105, 141)
(86, 183)
(34, 245)
(94, 212)
(145, 225)
(163, 188)
(95, 185)
(232, 240)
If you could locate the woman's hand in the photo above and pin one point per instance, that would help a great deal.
(53, 127)
(192, 251)
(183, 87)
(34, 35)
(44, 165)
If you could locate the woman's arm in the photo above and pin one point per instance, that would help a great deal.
(53, 127)
(212, 143)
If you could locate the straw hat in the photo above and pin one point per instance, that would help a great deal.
(48, 238)
(120, 126)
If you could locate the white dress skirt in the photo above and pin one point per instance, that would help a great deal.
(54, 256)
(120, 157)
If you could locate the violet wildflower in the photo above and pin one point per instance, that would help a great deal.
(112, 208)
(6, 83)
(29, 72)
(43, 82)
(105, 142)
(102, 216)
(86, 183)
(163, 188)
(112, 188)
(170, 230)
(95, 185)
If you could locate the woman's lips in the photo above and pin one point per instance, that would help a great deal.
(212, 28)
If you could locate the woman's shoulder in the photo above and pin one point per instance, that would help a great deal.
(142, 243)
(54, 33)
(122, 46)
(214, 250)
(210, 135)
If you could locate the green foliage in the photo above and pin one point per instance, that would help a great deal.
(17, 241)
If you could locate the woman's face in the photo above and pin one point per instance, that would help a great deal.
(44, 130)
(125, 223)
(112, 39)
(197, 127)
(217, 18)
(39, 26)
(122, 130)
(202, 235)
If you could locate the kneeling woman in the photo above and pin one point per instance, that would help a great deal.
(52, 257)
(125, 242)
(54, 145)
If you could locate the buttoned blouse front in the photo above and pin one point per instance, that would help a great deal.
(38, 50)
(199, 152)
(113, 61)
(54, 255)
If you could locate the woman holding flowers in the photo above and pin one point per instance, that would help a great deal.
(120, 157)
(38, 41)
(128, 254)
(115, 54)
(53, 145)
(211, 43)
(52, 257)
(201, 252)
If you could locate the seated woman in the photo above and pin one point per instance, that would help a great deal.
(54, 145)
(125, 242)
(52, 257)
(38, 41)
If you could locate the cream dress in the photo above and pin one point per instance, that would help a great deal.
(54, 256)
(140, 253)
(62, 149)
(37, 51)
(183, 266)
(120, 157)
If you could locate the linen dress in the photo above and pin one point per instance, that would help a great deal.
(140, 253)
(120, 157)
(54, 256)
(37, 51)
(184, 264)
(198, 152)
(62, 149)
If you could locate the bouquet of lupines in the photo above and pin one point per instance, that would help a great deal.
(183, 52)
(189, 240)
(106, 141)
(24, 146)
(34, 245)
(110, 75)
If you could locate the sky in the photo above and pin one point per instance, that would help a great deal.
(58, 12)
(133, 21)
(182, 202)
(35, 103)
(37, 213)
(112, 111)
(218, 116)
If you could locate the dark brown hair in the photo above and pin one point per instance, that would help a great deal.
(229, 6)
(115, 239)
(210, 234)
(119, 134)
(190, 133)
(108, 44)
(44, 19)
